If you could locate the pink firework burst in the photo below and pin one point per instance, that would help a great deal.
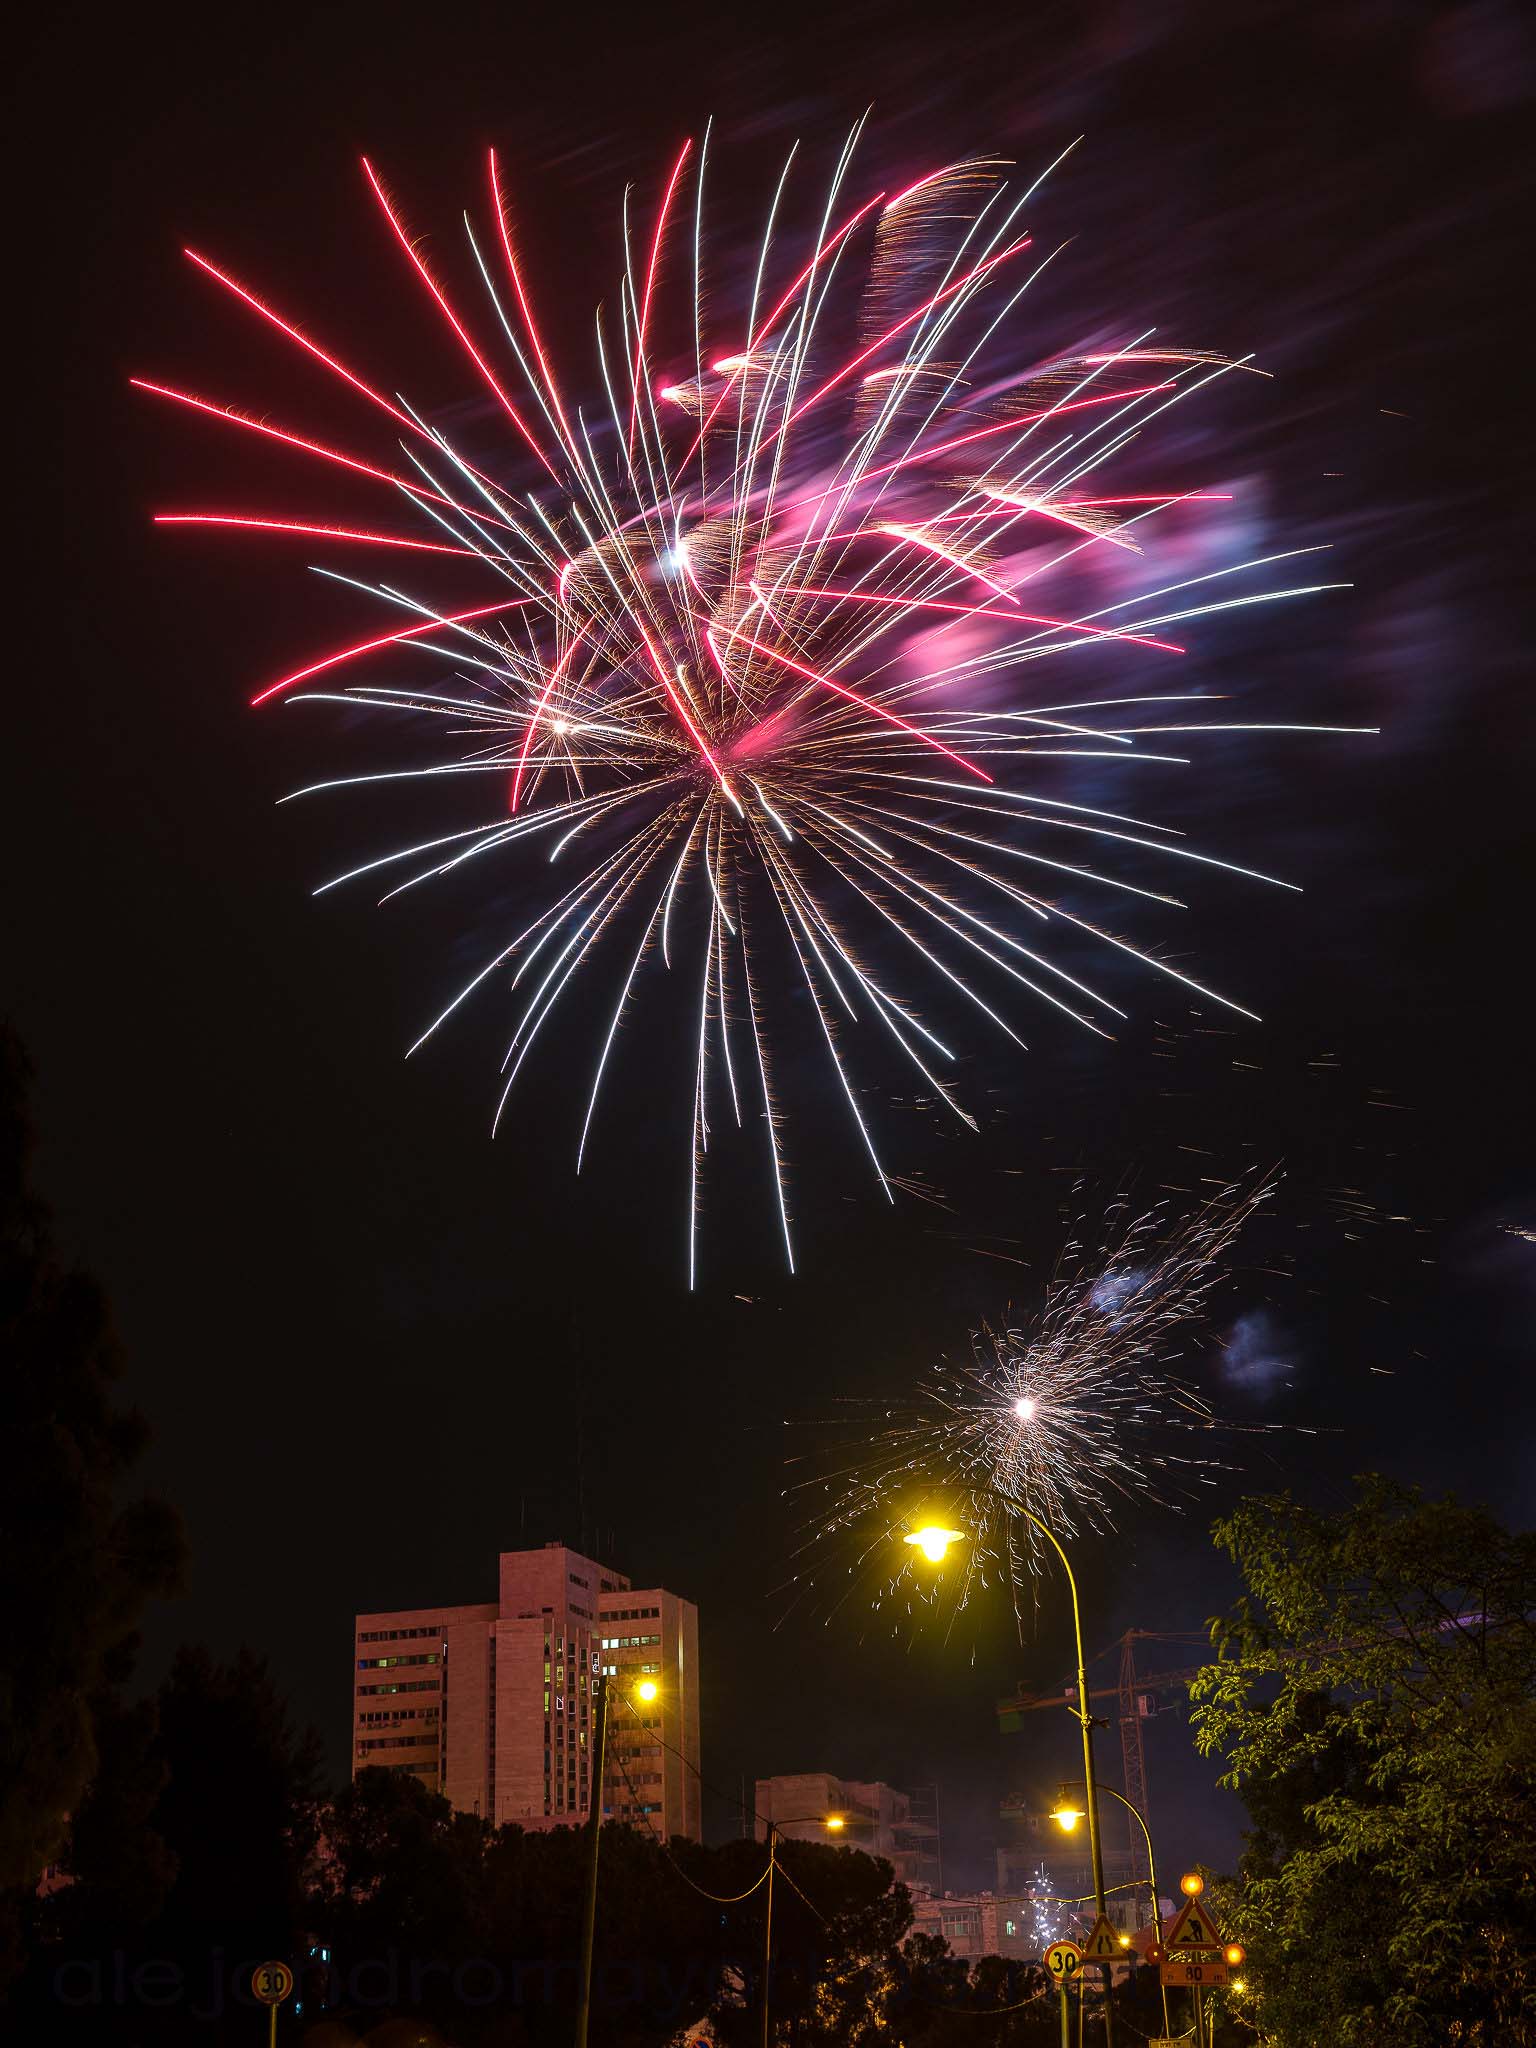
(748, 686)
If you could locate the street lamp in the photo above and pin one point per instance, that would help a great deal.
(1067, 1816)
(645, 1690)
(834, 1823)
(934, 1541)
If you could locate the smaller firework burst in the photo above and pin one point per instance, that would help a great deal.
(1086, 1409)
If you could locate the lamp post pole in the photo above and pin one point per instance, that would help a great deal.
(835, 1823)
(1085, 1722)
(1081, 1710)
(768, 1934)
(1157, 1911)
(594, 1841)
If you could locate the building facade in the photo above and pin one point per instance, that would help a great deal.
(1019, 1927)
(491, 1704)
(981, 1924)
(899, 1826)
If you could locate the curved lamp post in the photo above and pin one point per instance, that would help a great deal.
(1067, 1816)
(834, 1823)
(933, 1541)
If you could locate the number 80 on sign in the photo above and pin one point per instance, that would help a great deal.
(1063, 1960)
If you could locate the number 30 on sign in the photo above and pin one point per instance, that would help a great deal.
(1063, 1959)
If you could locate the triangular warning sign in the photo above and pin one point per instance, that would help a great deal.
(1103, 1944)
(1194, 1928)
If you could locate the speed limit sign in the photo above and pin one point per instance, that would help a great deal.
(1063, 1959)
(271, 1983)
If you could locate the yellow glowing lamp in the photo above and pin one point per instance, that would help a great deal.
(1235, 1953)
(647, 1690)
(1239, 1984)
(933, 1542)
(1192, 1884)
(834, 1823)
(1125, 1941)
(1067, 1816)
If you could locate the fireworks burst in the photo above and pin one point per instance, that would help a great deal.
(744, 674)
(1074, 1416)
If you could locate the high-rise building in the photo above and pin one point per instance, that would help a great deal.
(877, 1818)
(491, 1704)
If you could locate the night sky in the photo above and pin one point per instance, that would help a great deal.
(375, 1347)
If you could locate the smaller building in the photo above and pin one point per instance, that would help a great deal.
(1019, 1927)
(902, 1827)
(980, 1924)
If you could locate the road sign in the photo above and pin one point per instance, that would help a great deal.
(1063, 1959)
(1194, 1928)
(271, 1983)
(1103, 1944)
(1202, 1975)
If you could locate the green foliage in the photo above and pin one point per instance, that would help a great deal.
(1374, 1698)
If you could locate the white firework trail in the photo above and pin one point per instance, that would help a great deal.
(726, 679)
(1090, 1408)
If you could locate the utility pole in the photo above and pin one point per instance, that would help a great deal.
(767, 1939)
(599, 1685)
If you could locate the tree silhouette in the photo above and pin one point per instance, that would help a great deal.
(77, 1564)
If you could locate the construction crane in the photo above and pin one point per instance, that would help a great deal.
(1135, 1693)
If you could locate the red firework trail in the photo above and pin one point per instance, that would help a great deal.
(700, 713)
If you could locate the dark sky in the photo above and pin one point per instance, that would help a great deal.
(376, 1348)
